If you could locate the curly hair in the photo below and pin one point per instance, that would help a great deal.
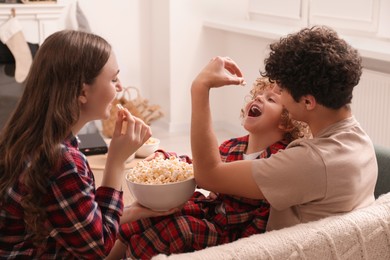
(295, 129)
(315, 61)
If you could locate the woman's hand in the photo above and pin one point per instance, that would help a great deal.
(218, 72)
(136, 211)
(130, 134)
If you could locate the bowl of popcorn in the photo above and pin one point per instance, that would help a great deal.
(148, 147)
(161, 184)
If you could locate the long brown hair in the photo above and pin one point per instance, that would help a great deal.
(30, 141)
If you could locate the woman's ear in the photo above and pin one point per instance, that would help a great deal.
(83, 95)
(309, 102)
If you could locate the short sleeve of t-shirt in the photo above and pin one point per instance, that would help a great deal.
(292, 176)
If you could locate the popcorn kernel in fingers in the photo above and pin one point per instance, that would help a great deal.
(120, 107)
(124, 124)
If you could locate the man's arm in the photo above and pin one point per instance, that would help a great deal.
(210, 172)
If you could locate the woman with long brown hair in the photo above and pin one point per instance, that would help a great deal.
(49, 205)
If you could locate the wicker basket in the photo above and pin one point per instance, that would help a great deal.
(137, 106)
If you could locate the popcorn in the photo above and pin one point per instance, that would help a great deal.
(119, 106)
(124, 126)
(160, 171)
(151, 140)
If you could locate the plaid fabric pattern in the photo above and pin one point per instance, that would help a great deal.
(83, 222)
(199, 224)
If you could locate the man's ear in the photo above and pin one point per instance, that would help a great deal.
(83, 95)
(309, 101)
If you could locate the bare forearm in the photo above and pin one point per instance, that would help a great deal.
(203, 140)
(210, 173)
(129, 134)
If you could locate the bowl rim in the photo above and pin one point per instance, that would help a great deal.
(161, 184)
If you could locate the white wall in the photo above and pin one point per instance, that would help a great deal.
(119, 22)
(191, 47)
(162, 44)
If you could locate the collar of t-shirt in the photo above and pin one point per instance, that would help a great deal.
(251, 156)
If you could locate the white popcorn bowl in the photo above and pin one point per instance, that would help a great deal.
(162, 197)
(148, 147)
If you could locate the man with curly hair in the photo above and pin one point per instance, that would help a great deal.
(332, 173)
(219, 218)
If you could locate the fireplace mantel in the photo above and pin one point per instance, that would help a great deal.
(38, 20)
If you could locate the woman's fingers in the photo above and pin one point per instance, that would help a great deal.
(129, 130)
(136, 128)
(146, 132)
(118, 130)
(141, 130)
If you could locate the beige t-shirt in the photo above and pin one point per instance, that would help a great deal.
(331, 174)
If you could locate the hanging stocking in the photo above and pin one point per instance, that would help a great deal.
(11, 35)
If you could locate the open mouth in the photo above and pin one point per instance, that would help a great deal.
(254, 111)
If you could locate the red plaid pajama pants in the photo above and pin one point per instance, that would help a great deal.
(195, 227)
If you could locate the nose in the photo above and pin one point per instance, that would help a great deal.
(119, 86)
(260, 98)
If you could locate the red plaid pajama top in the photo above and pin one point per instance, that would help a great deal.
(83, 222)
(200, 224)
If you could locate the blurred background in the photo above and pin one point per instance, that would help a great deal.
(162, 44)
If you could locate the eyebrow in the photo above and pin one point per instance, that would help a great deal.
(274, 95)
(272, 92)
